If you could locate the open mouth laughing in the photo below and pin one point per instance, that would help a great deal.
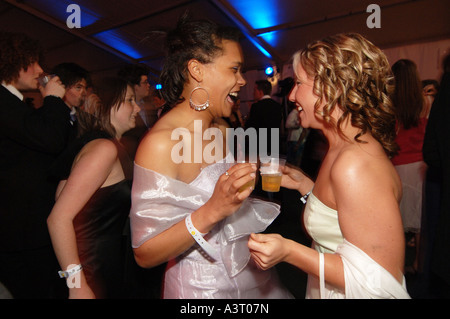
(233, 96)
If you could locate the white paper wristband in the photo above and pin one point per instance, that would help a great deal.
(70, 272)
(305, 197)
(199, 238)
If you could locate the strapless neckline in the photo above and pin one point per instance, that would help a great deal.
(227, 160)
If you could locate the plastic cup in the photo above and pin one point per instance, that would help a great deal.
(250, 183)
(43, 80)
(271, 174)
(247, 185)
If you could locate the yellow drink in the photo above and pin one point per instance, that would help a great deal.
(247, 185)
(271, 182)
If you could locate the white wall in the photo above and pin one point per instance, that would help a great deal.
(428, 57)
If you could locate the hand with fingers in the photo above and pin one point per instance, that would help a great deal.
(294, 178)
(54, 87)
(267, 250)
(227, 198)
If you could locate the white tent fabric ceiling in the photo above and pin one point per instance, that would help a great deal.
(116, 32)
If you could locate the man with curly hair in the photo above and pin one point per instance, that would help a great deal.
(30, 139)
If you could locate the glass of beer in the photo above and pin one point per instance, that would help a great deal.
(270, 170)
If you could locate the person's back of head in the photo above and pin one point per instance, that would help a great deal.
(264, 86)
(408, 96)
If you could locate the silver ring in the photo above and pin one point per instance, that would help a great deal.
(226, 173)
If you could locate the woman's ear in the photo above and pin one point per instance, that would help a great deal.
(195, 69)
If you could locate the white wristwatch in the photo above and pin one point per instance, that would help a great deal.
(70, 272)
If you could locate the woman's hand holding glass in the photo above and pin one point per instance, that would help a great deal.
(228, 196)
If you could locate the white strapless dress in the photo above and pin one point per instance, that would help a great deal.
(364, 278)
(159, 202)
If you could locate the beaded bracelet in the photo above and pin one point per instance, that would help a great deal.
(199, 238)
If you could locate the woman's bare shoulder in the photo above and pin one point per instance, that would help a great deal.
(155, 151)
(365, 170)
(101, 149)
(362, 159)
(367, 192)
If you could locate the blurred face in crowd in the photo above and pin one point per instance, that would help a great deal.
(28, 79)
(76, 94)
(257, 93)
(157, 101)
(123, 116)
(143, 89)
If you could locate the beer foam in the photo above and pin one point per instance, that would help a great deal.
(269, 170)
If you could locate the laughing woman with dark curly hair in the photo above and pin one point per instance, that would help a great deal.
(352, 212)
(192, 213)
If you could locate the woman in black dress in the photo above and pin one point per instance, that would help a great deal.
(93, 202)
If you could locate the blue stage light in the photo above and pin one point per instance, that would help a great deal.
(271, 37)
(158, 86)
(269, 71)
(118, 41)
(258, 13)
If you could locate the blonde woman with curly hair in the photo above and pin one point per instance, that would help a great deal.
(352, 211)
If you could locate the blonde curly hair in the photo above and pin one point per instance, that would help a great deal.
(351, 73)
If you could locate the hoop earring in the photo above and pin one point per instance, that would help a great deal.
(199, 107)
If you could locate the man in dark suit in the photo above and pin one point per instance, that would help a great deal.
(76, 80)
(265, 113)
(30, 140)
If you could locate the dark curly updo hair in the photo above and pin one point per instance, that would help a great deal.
(191, 39)
(351, 73)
